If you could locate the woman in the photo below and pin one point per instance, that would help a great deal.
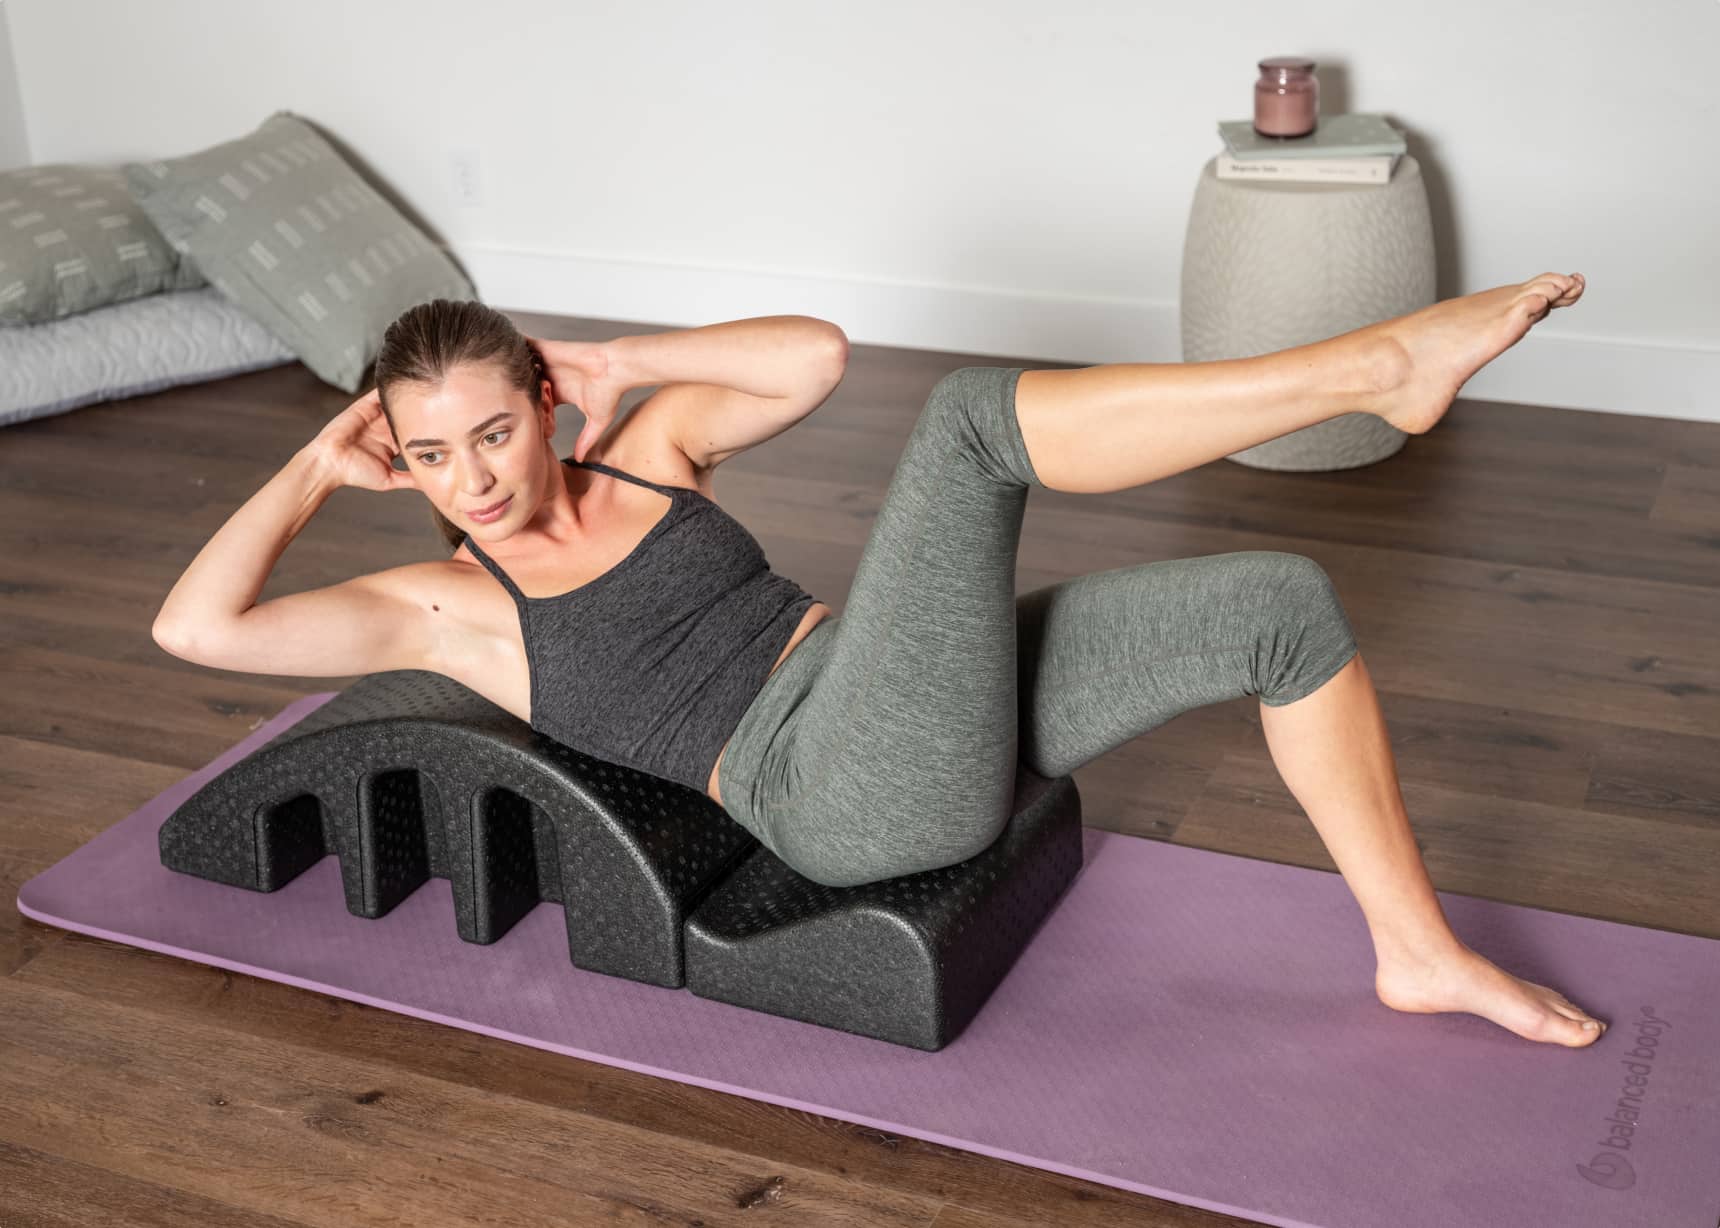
(613, 605)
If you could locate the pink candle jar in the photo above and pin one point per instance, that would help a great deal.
(1286, 97)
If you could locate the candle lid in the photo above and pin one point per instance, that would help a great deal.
(1297, 62)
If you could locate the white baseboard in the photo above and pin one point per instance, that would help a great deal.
(1571, 372)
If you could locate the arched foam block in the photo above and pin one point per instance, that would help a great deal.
(407, 775)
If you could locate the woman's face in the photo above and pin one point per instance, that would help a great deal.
(472, 443)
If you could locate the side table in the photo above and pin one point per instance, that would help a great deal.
(1268, 266)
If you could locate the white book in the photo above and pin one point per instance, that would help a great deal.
(1368, 169)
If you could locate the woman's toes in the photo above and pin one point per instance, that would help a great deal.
(1564, 1028)
(1560, 289)
(1552, 285)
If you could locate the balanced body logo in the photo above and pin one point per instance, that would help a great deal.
(1611, 1168)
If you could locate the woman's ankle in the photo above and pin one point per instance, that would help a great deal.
(1382, 368)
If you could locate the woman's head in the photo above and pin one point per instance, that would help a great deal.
(469, 405)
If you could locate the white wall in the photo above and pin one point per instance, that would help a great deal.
(1010, 178)
(14, 148)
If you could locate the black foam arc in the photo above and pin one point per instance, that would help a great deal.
(408, 775)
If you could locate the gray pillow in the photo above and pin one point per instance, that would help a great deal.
(131, 348)
(281, 225)
(72, 239)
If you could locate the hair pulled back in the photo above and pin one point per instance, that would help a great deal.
(429, 340)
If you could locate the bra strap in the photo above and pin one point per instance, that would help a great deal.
(645, 482)
(493, 568)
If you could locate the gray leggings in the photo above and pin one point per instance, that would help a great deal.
(886, 744)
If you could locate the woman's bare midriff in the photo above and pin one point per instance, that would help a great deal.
(813, 616)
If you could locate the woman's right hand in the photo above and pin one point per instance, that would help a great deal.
(356, 448)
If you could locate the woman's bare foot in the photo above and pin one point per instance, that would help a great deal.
(1469, 982)
(1429, 354)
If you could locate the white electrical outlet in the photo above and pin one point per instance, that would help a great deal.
(468, 178)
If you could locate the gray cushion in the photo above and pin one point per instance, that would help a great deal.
(72, 239)
(280, 224)
(127, 350)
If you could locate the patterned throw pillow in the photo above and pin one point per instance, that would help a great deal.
(281, 225)
(127, 350)
(72, 239)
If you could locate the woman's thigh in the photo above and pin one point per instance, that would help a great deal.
(887, 743)
(1105, 657)
(900, 756)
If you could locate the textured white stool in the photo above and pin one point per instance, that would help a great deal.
(1268, 266)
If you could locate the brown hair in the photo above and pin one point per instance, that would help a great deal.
(429, 340)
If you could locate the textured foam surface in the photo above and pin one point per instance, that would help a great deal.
(408, 775)
(1186, 1024)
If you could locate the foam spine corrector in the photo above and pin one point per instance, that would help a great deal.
(409, 774)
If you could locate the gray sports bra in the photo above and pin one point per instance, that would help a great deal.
(653, 663)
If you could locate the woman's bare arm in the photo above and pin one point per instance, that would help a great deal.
(363, 625)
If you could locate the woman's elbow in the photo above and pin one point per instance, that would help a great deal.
(187, 641)
(174, 639)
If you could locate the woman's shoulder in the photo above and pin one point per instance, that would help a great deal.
(642, 444)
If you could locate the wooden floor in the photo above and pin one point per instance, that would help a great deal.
(1536, 592)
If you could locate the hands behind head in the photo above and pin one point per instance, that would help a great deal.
(356, 448)
(581, 374)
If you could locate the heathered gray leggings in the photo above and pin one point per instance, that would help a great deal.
(886, 743)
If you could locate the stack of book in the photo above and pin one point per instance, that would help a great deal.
(1353, 148)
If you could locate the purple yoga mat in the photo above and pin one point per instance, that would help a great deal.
(1186, 1024)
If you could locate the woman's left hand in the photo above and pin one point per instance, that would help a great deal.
(580, 374)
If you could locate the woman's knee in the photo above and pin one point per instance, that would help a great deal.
(1296, 574)
(1306, 636)
(976, 406)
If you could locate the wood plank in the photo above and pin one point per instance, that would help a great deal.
(283, 1123)
(55, 798)
(46, 1191)
(254, 1013)
(1558, 858)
